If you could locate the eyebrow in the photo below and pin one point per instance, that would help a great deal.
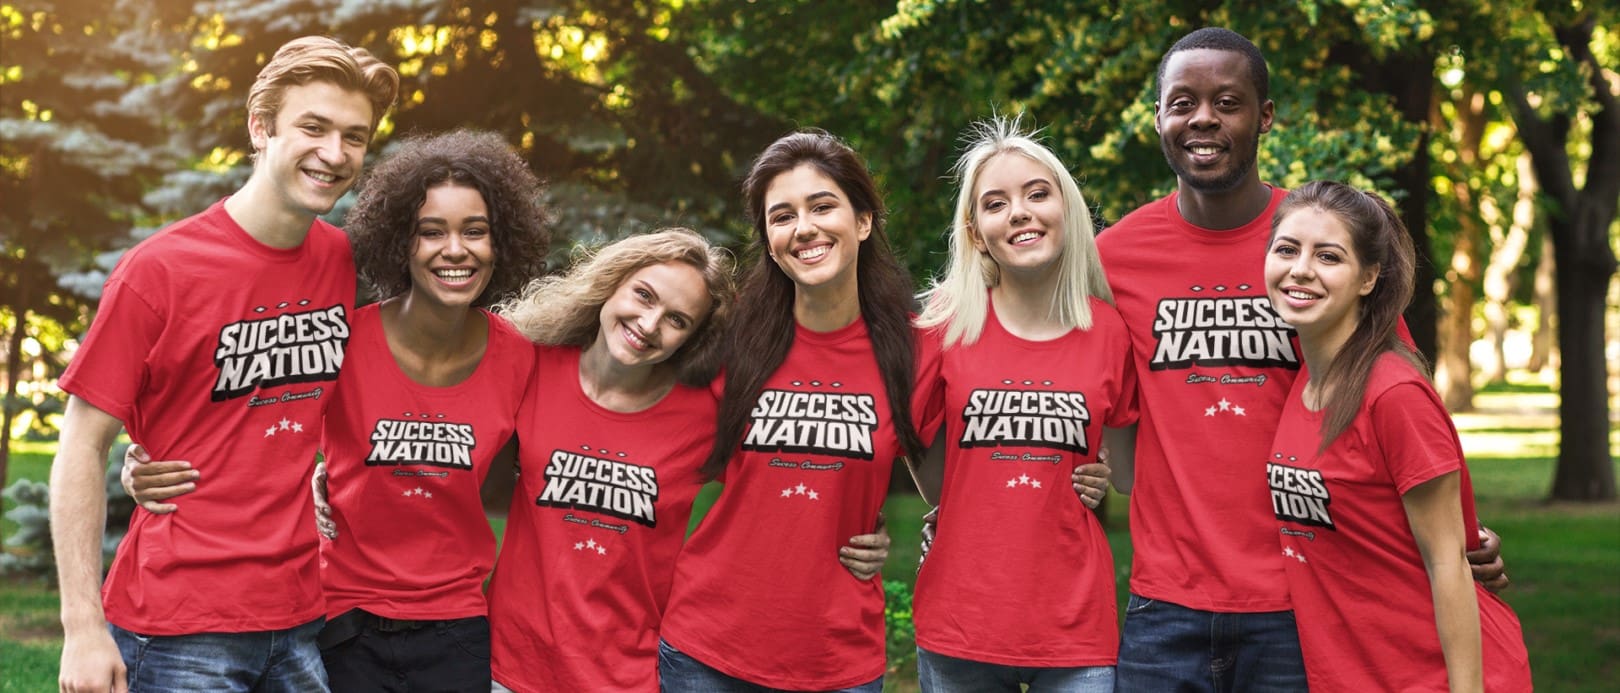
(1295, 241)
(813, 197)
(465, 220)
(1038, 180)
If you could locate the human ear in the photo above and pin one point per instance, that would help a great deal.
(1369, 280)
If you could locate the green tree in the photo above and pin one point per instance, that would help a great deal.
(77, 149)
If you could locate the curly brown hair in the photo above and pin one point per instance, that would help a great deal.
(382, 223)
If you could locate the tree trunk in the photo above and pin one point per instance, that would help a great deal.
(1585, 465)
(1453, 374)
(14, 364)
(1579, 227)
(1543, 351)
(1499, 273)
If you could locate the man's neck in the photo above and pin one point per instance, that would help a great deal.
(1224, 210)
(255, 208)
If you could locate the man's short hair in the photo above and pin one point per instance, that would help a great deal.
(1217, 38)
(321, 59)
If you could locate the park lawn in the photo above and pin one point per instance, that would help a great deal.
(1562, 558)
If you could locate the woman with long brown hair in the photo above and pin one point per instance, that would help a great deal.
(816, 407)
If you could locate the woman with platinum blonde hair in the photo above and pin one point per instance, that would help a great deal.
(1033, 361)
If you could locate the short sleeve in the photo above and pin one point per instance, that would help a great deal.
(110, 367)
(928, 390)
(1415, 435)
(1125, 411)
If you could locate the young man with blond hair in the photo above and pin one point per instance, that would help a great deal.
(218, 341)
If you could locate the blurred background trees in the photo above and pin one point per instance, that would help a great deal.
(1494, 125)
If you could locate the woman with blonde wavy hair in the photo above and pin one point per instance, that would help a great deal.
(1033, 362)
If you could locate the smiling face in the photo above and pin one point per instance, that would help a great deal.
(453, 254)
(652, 313)
(1313, 277)
(812, 230)
(1209, 119)
(1018, 215)
(314, 150)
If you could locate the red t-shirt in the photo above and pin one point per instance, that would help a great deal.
(1020, 573)
(759, 593)
(216, 349)
(1214, 363)
(600, 511)
(1360, 590)
(404, 465)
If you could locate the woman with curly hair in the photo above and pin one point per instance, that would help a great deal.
(816, 407)
(431, 383)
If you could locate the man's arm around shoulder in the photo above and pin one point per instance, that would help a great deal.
(90, 658)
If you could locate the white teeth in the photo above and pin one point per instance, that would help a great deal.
(1301, 295)
(635, 341)
(1020, 238)
(453, 273)
(323, 177)
(1204, 151)
(812, 253)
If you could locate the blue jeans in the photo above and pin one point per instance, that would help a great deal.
(1167, 647)
(258, 662)
(942, 674)
(679, 673)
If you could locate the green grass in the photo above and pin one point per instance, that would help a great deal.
(1563, 558)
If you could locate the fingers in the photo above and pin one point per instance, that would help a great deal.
(865, 554)
(1486, 562)
(1090, 483)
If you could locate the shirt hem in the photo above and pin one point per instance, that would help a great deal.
(1250, 606)
(711, 660)
(1054, 661)
(173, 628)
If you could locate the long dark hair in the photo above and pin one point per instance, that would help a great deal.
(1379, 238)
(761, 330)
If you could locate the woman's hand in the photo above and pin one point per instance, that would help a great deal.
(1091, 480)
(865, 554)
(150, 483)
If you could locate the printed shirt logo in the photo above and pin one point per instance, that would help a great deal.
(821, 423)
(1221, 331)
(620, 489)
(294, 347)
(995, 417)
(398, 442)
(1299, 495)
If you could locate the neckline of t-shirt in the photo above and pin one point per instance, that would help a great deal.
(578, 388)
(992, 323)
(837, 336)
(436, 391)
(247, 242)
(1239, 234)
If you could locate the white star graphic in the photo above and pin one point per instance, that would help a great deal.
(269, 431)
(429, 494)
(1035, 483)
(579, 545)
(407, 494)
(1288, 551)
(285, 424)
(787, 492)
(590, 543)
(1224, 405)
(1011, 483)
(1209, 412)
(298, 427)
(1023, 479)
(600, 551)
(1301, 558)
(813, 495)
(799, 489)
(418, 491)
(1238, 411)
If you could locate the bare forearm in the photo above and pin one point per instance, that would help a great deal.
(1121, 443)
(1456, 616)
(78, 520)
(929, 472)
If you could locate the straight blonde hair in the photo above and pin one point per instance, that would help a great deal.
(960, 299)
